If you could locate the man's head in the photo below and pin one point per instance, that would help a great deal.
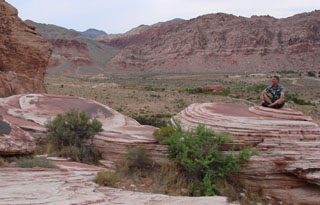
(275, 79)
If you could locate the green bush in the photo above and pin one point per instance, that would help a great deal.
(106, 179)
(137, 158)
(196, 90)
(311, 73)
(35, 162)
(257, 88)
(71, 135)
(225, 91)
(197, 153)
(153, 120)
(296, 99)
(163, 133)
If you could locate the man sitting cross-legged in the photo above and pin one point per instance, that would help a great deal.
(273, 96)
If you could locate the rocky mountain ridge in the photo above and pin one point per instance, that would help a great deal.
(223, 42)
(209, 43)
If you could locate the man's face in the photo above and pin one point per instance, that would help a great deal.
(275, 81)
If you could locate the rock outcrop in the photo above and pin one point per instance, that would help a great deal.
(222, 42)
(24, 54)
(27, 115)
(73, 53)
(288, 167)
(73, 184)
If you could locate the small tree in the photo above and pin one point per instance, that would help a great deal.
(71, 135)
(197, 153)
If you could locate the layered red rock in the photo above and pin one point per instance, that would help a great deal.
(73, 53)
(288, 166)
(24, 54)
(28, 114)
(222, 42)
(73, 183)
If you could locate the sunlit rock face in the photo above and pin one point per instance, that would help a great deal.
(24, 118)
(288, 167)
(24, 55)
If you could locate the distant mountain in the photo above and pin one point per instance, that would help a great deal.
(210, 43)
(176, 20)
(93, 33)
(73, 53)
(221, 43)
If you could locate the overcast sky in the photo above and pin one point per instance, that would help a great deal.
(118, 16)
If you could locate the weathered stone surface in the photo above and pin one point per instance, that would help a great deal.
(288, 167)
(73, 184)
(27, 115)
(221, 42)
(24, 55)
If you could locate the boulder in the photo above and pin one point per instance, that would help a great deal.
(288, 166)
(24, 55)
(26, 116)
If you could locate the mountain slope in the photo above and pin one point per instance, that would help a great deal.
(222, 42)
(74, 53)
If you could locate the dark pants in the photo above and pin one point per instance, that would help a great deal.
(278, 106)
(273, 99)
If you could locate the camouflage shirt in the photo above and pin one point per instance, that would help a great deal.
(275, 91)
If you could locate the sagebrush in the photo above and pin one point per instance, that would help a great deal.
(105, 178)
(197, 153)
(34, 162)
(71, 135)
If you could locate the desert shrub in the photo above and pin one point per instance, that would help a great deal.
(35, 162)
(106, 179)
(71, 135)
(257, 88)
(149, 88)
(196, 152)
(164, 132)
(152, 120)
(137, 158)
(2, 162)
(311, 73)
(226, 91)
(296, 99)
(287, 72)
(196, 90)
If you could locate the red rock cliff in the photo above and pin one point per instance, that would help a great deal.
(24, 54)
(222, 42)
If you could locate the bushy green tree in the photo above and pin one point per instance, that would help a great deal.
(197, 153)
(71, 135)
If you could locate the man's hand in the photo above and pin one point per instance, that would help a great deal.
(271, 105)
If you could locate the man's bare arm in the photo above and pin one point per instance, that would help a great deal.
(262, 94)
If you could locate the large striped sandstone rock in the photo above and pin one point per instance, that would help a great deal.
(26, 116)
(288, 167)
